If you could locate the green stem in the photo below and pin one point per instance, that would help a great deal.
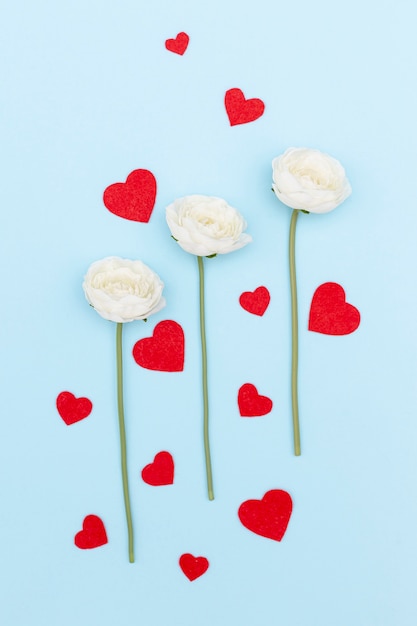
(204, 378)
(294, 336)
(119, 358)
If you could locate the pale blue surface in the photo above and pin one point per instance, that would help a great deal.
(89, 93)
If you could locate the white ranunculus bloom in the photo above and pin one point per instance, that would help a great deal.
(121, 290)
(309, 180)
(206, 225)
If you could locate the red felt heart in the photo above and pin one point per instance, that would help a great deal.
(251, 403)
(240, 110)
(178, 45)
(330, 314)
(161, 471)
(255, 302)
(92, 535)
(193, 566)
(164, 351)
(133, 200)
(268, 517)
(73, 409)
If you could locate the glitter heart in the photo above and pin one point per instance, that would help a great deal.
(330, 314)
(161, 471)
(255, 302)
(164, 351)
(73, 409)
(92, 535)
(133, 200)
(179, 44)
(240, 110)
(193, 566)
(268, 517)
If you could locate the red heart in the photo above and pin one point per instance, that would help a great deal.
(240, 110)
(251, 404)
(92, 535)
(330, 314)
(73, 409)
(164, 351)
(178, 45)
(133, 200)
(193, 566)
(268, 517)
(161, 471)
(255, 302)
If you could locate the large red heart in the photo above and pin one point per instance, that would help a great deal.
(161, 471)
(255, 302)
(268, 517)
(73, 409)
(193, 566)
(92, 535)
(251, 403)
(164, 351)
(178, 45)
(241, 111)
(330, 314)
(133, 200)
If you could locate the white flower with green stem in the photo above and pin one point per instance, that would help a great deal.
(206, 226)
(121, 291)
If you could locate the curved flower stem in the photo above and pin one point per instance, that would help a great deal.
(119, 359)
(294, 336)
(204, 378)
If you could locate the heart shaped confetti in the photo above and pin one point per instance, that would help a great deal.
(73, 409)
(241, 111)
(161, 471)
(133, 200)
(255, 302)
(251, 403)
(164, 351)
(268, 517)
(193, 566)
(92, 535)
(178, 45)
(330, 314)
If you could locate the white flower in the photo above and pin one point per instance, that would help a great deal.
(309, 180)
(205, 225)
(121, 290)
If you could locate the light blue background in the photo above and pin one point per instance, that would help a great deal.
(89, 93)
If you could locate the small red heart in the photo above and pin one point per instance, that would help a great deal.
(330, 314)
(178, 45)
(92, 535)
(268, 517)
(164, 351)
(193, 566)
(161, 471)
(133, 200)
(255, 302)
(73, 409)
(251, 403)
(240, 110)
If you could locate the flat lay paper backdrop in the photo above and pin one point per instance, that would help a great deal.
(90, 93)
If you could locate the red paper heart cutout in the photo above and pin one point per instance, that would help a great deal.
(161, 471)
(92, 535)
(133, 200)
(164, 351)
(73, 409)
(268, 517)
(241, 111)
(330, 314)
(255, 302)
(193, 566)
(251, 404)
(178, 45)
